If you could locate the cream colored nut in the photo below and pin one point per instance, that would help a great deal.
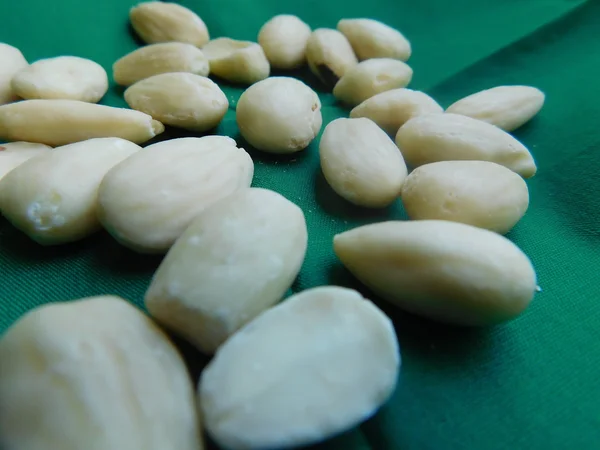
(447, 137)
(11, 62)
(311, 367)
(507, 107)
(283, 39)
(159, 58)
(373, 39)
(60, 122)
(478, 193)
(361, 163)
(446, 271)
(371, 77)
(52, 197)
(94, 373)
(329, 55)
(279, 115)
(64, 77)
(235, 260)
(179, 99)
(392, 109)
(168, 22)
(237, 61)
(148, 201)
(14, 154)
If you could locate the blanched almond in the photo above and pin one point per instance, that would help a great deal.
(237, 61)
(279, 115)
(313, 366)
(64, 77)
(168, 22)
(446, 271)
(373, 39)
(371, 77)
(283, 39)
(60, 122)
(447, 137)
(147, 201)
(392, 109)
(12, 62)
(236, 259)
(179, 99)
(159, 58)
(507, 107)
(52, 197)
(14, 154)
(329, 55)
(94, 373)
(361, 163)
(478, 193)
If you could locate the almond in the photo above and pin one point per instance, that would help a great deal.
(158, 22)
(447, 137)
(60, 122)
(329, 55)
(235, 260)
(237, 61)
(12, 62)
(446, 271)
(179, 99)
(361, 163)
(507, 107)
(373, 39)
(148, 200)
(312, 367)
(283, 39)
(14, 154)
(52, 197)
(159, 58)
(64, 77)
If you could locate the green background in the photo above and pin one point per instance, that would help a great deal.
(530, 384)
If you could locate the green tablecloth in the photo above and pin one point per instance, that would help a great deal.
(531, 384)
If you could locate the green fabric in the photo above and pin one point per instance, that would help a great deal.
(530, 384)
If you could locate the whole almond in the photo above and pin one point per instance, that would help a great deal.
(446, 271)
(283, 39)
(329, 55)
(327, 357)
(361, 163)
(447, 137)
(159, 58)
(148, 201)
(60, 122)
(478, 193)
(52, 197)
(237, 61)
(279, 115)
(63, 77)
(158, 22)
(179, 99)
(80, 358)
(12, 62)
(392, 109)
(371, 77)
(14, 154)
(236, 259)
(373, 39)
(507, 107)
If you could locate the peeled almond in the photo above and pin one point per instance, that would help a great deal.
(12, 62)
(237, 61)
(329, 55)
(14, 154)
(373, 39)
(284, 38)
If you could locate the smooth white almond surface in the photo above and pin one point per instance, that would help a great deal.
(63, 77)
(237, 61)
(392, 109)
(94, 374)
(373, 39)
(283, 39)
(311, 367)
(14, 154)
(236, 259)
(361, 163)
(329, 55)
(507, 107)
(52, 197)
(148, 201)
(451, 137)
(447, 271)
(12, 62)
(61, 122)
